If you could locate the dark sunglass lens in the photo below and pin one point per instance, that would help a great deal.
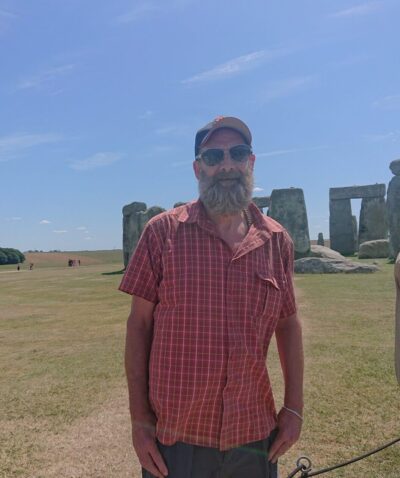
(212, 156)
(240, 153)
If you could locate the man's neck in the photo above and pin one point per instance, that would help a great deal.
(227, 221)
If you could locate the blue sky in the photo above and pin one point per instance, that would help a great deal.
(100, 102)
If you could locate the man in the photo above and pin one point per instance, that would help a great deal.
(211, 283)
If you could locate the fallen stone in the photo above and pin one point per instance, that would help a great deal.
(395, 167)
(325, 252)
(320, 265)
(374, 249)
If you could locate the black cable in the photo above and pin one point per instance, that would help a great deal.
(306, 469)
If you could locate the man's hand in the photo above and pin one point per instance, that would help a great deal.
(289, 428)
(145, 445)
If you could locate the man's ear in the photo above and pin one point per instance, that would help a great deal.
(196, 169)
(252, 160)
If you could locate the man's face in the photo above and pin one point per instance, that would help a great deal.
(227, 187)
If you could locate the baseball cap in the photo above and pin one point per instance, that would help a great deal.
(219, 122)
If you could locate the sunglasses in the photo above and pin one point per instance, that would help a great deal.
(213, 156)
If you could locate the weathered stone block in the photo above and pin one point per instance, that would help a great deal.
(373, 220)
(341, 226)
(393, 212)
(287, 206)
(130, 228)
(136, 215)
(374, 249)
(320, 240)
(319, 265)
(325, 253)
(354, 192)
(262, 202)
(395, 167)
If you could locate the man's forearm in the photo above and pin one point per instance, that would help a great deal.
(137, 352)
(290, 347)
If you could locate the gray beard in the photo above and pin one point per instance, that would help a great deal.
(226, 200)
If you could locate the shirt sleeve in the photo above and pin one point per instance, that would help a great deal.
(143, 274)
(289, 299)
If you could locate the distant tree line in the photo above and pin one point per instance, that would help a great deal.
(10, 256)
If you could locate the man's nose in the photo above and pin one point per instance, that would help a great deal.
(227, 162)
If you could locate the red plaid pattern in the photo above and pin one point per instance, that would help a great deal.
(215, 315)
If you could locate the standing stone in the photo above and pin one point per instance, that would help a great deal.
(397, 339)
(135, 217)
(373, 220)
(145, 216)
(287, 206)
(131, 230)
(320, 241)
(393, 211)
(341, 226)
(395, 167)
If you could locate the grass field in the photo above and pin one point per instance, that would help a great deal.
(63, 407)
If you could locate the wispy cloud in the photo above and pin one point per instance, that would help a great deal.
(7, 14)
(60, 231)
(350, 61)
(281, 152)
(98, 160)
(392, 136)
(15, 218)
(45, 221)
(137, 12)
(81, 228)
(16, 144)
(286, 87)
(44, 77)
(358, 10)
(146, 115)
(238, 65)
(257, 189)
(388, 103)
(173, 130)
(145, 8)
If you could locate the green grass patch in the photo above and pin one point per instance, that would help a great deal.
(62, 338)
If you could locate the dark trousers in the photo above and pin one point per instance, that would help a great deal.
(192, 461)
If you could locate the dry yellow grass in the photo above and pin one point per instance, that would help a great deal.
(63, 403)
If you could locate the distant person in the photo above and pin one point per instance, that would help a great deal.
(212, 281)
(31, 266)
(18, 267)
(79, 262)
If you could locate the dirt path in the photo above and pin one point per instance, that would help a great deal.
(98, 446)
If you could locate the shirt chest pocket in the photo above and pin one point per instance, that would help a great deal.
(268, 295)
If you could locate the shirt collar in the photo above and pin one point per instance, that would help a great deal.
(195, 212)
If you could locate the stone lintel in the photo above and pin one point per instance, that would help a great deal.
(262, 202)
(358, 192)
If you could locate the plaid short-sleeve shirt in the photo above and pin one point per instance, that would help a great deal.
(215, 314)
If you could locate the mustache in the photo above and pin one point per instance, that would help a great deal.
(227, 175)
